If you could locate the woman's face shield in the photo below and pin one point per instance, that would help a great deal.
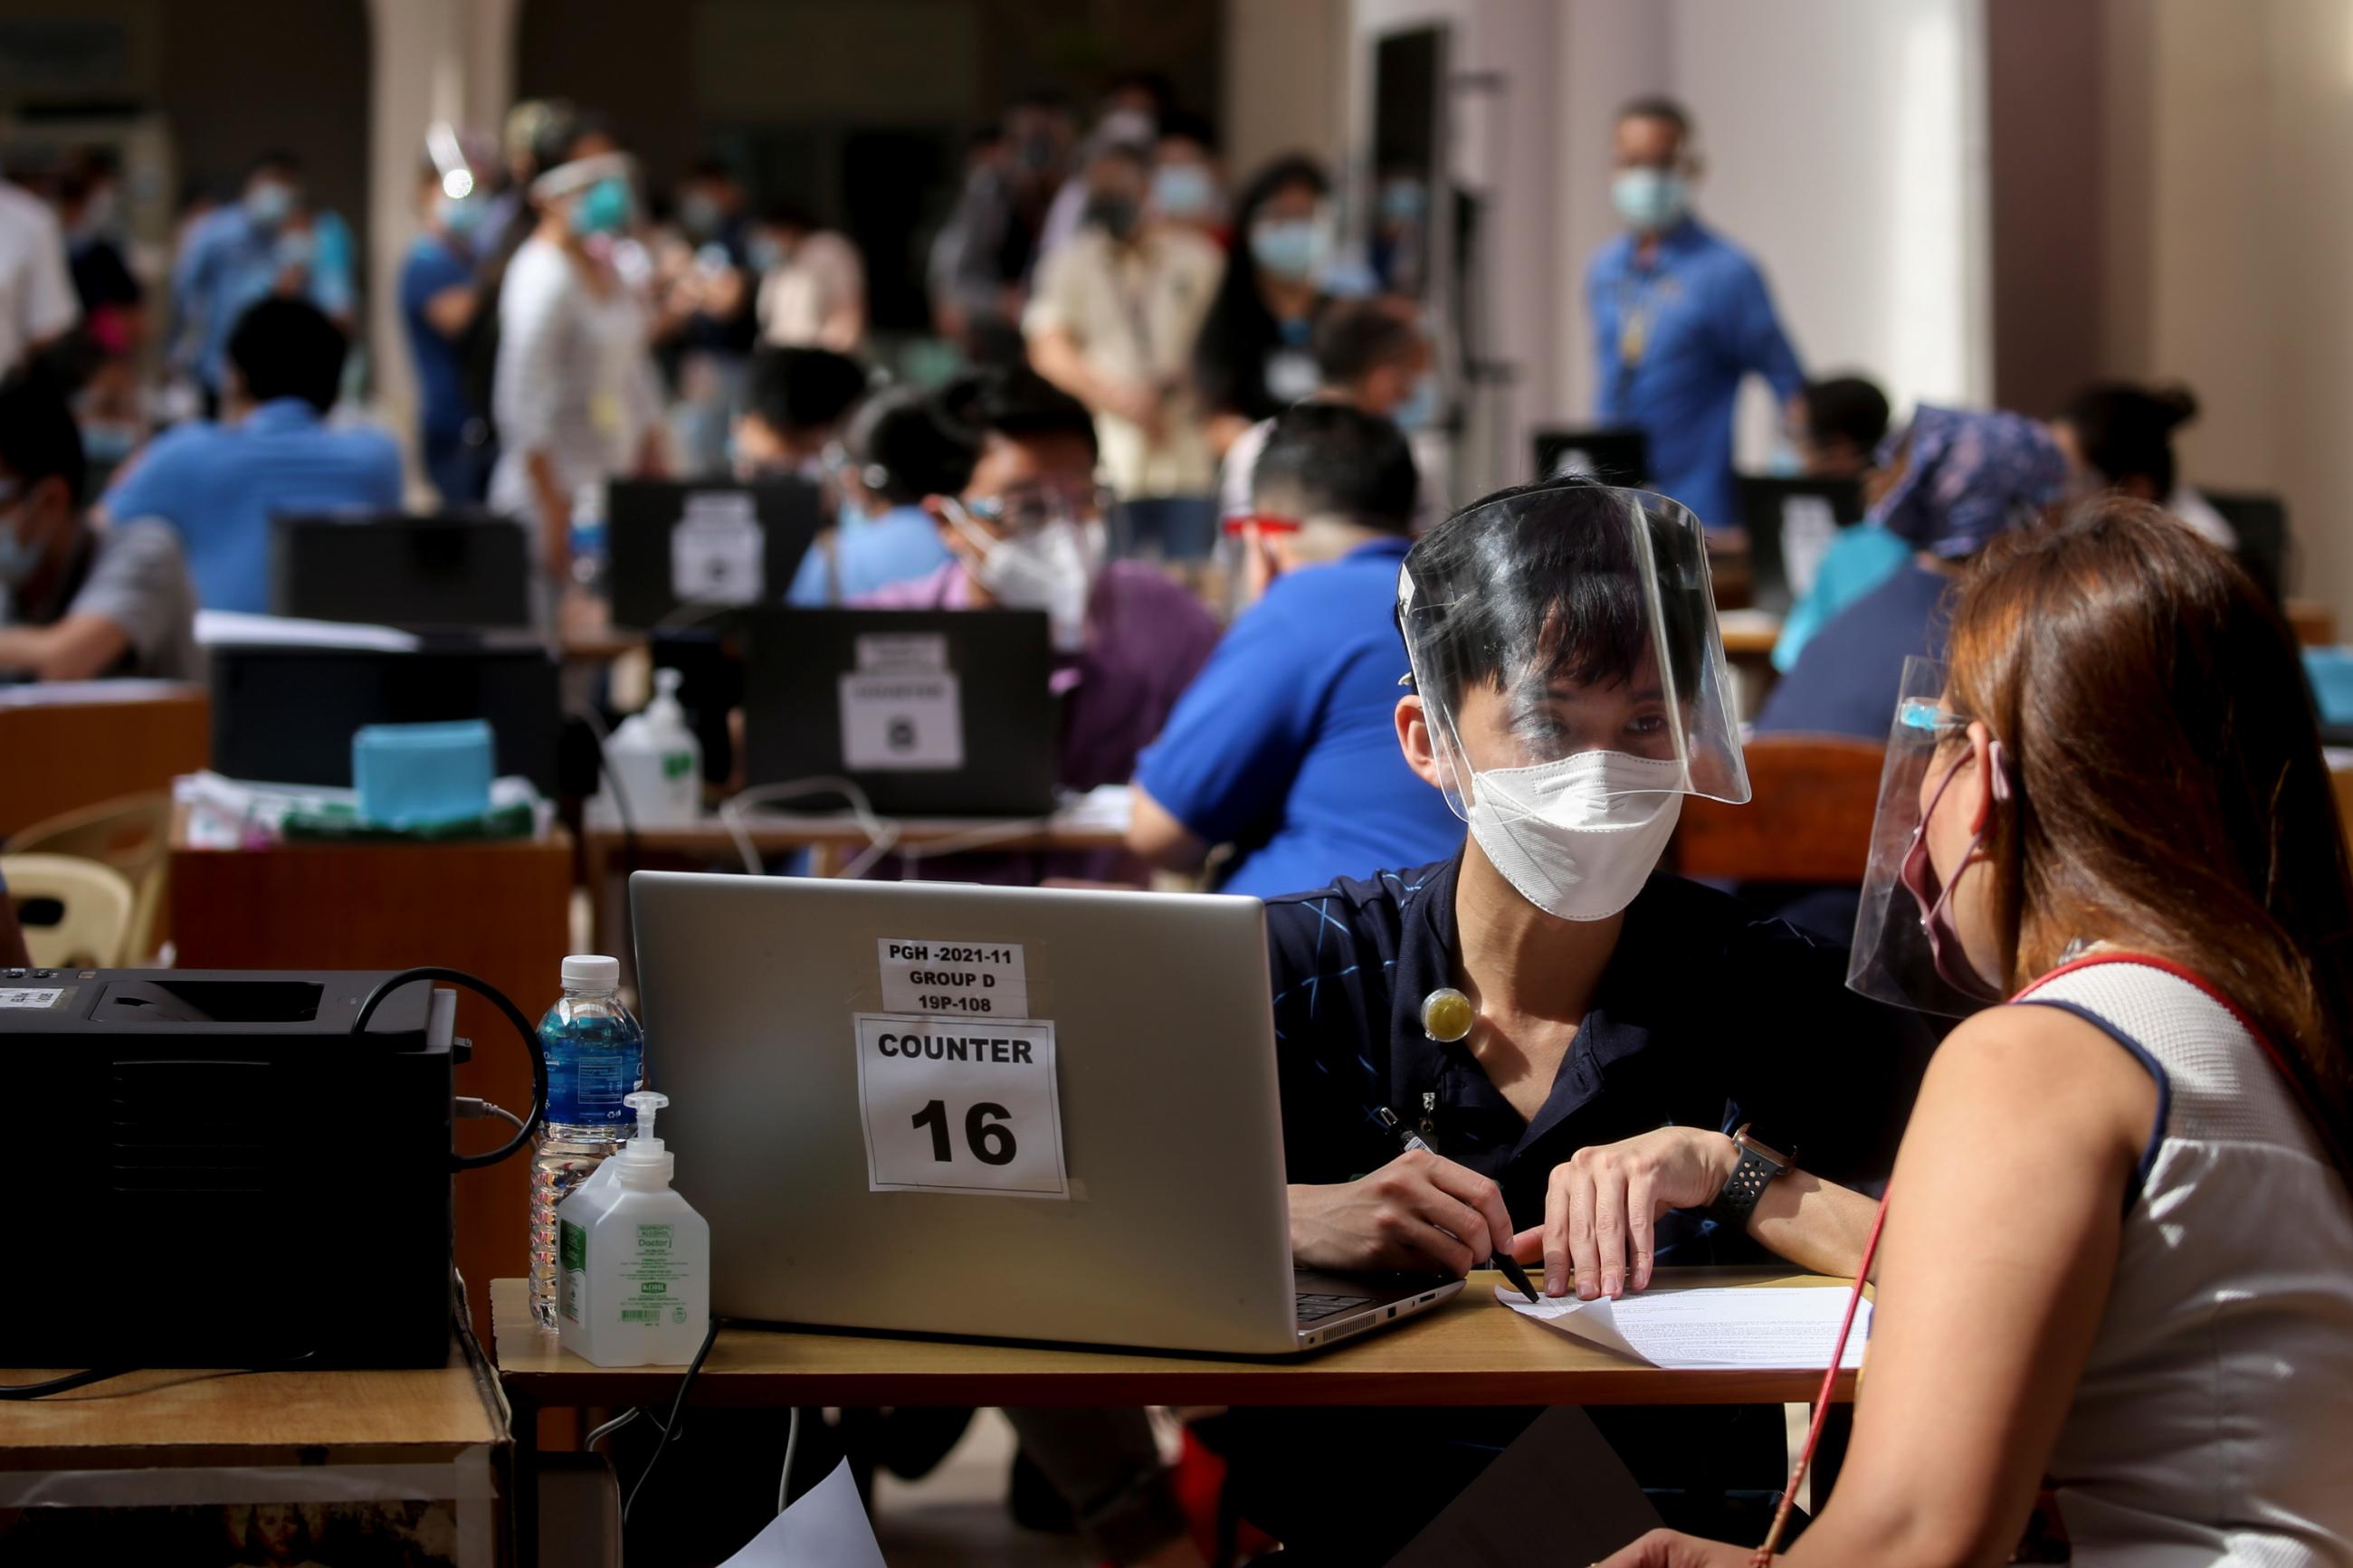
(1566, 623)
(1896, 952)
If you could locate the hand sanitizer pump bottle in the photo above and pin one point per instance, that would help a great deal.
(636, 1259)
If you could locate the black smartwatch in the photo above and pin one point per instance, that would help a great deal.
(1758, 1168)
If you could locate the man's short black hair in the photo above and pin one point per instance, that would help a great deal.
(796, 389)
(1657, 106)
(1355, 337)
(1595, 629)
(38, 438)
(274, 161)
(1327, 460)
(286, 347)
(2126, 431)
(784, 212)
(712, 169)
(1846, 406)
(910, 449)
(1019, 405)
(1184, 125)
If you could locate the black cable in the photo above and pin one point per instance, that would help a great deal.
(677, 1406)
(497, 999)
(60, 1384)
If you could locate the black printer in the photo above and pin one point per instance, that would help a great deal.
(215, 1170)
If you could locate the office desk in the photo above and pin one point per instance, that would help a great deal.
(1469, 1350)
(69, 744)
(499, 911)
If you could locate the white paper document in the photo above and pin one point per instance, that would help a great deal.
(1708, 1329)
(826, 1526)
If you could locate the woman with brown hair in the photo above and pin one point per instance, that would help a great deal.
(2118, 1239)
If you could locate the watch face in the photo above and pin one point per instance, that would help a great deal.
(1762, 1149)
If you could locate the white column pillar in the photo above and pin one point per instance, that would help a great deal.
(430, 59)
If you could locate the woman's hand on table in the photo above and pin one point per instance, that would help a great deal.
(1668, 1549)
(1416, 1214)
(1603, 1202)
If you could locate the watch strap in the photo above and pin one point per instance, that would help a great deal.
(1747, 1181)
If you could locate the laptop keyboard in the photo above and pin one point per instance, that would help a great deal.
(1314, 1308)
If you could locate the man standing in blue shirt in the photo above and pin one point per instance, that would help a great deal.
(268, 243)
(220, 484)
(440, 302)
(1680, 315)
(1285, 746)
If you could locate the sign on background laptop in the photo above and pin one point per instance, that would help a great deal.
(1791, 525)
(678, 549)
(930, 712)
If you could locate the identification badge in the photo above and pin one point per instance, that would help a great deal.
(717, 553)
(957, 979)
(959, 1105)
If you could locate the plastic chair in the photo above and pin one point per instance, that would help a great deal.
(131, 833)
(94, 905)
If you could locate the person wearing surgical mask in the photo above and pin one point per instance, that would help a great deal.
(1025, 531)
(1113, 320)
(574, 390)
(1186, 188)
(1680, 315)
(1255, 356)
(441, 299)
(270, 240)
(1590, 1048)
(79, 602)
(2115, 1262)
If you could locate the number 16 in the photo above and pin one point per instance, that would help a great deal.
(985, 1132)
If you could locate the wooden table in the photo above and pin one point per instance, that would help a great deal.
(1469, 1350)
(65, 745)
(499, 911)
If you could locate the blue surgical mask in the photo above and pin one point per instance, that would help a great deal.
(766, 253)
(1419, 410)
(108, 443)
(18, 560)
(1183, 190)
(699, 214)
(461, 215)
(602, 208)
(1404, 201)
(296, 247)
(1295, 249)
(270, 203)
(1650, 200)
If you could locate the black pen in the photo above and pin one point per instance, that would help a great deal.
(1499, 1260)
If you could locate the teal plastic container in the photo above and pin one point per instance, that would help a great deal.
(416, 775)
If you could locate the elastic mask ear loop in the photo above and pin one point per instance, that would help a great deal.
(1935, 918)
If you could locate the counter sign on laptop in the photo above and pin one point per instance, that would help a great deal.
(956, 1085)
(717, 552)
(901, 708)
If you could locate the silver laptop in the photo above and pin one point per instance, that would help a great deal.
(1005, 1112)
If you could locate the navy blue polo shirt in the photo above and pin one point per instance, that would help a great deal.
(1848, 676)
(1285, 744)
(1704, 1017)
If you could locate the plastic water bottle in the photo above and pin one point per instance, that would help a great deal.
(588, 537)
(596, 1055)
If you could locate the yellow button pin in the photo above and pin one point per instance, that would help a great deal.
(1447, 1014)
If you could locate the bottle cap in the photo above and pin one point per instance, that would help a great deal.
(592, 970)
(644, 1163)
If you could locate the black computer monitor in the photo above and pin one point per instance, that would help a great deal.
(930, 712)
(286, 715)
(2264, 547)
(1790, 523)
(687, 553)
(419, 572)
(1616, 455)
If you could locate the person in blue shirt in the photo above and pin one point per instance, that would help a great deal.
(1837, 430)
(1680, 315)
(442, 296)
(1955, 479)
(220, 483)
(1285, 744)
(898, 452)
(268, 243)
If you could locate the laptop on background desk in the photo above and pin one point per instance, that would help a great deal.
(417, 573)
(1616, 455)
(930, 712)
(1791, 525)
(680, 551)
(1003, 1112)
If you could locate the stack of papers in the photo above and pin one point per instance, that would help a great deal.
(1717, 1330)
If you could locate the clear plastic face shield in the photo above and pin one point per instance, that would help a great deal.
(1908, 950)
(1038, 546)
(1564, 647)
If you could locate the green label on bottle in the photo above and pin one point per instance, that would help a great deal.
(574, 1245)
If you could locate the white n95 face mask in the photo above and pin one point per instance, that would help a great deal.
(1051, 568)
(1579, 836)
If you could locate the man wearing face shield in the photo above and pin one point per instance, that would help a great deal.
(1580, 1040)
(1026, 531)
